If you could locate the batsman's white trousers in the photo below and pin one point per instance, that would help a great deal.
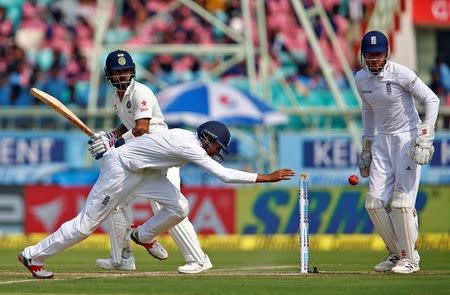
(113, 187)
(392, 170)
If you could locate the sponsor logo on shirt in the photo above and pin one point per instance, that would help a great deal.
(144, 107)
(366, 91)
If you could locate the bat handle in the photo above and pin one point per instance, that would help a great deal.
(120, 141)
(99, 156)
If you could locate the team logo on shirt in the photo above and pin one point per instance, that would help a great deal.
(106, 200)
(129, 105)
(144, 107)
(388, 88)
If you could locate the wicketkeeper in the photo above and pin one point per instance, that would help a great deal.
(396, 143)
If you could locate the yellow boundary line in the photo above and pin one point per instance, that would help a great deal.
(322, 242)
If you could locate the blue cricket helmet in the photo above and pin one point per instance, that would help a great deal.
(215, 131)
(374, 41)
(119, 60)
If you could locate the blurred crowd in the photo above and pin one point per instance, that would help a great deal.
(440, 84)
(47, 44)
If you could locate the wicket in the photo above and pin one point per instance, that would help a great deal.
(303, 223)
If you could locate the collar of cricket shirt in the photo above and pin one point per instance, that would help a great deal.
(130, 89)
(385, 69)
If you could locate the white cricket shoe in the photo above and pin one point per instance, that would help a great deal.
(125, 264)
(38, 271)
(416, 257)
(386, 265)
(193, 267)
(405, 266)
(154, 248)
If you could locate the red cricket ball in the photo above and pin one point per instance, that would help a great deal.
(353, 179)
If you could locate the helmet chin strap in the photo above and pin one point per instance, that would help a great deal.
(121, 86)
(368, 69)
(119, 82)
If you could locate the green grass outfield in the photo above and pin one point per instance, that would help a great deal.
(234, 272)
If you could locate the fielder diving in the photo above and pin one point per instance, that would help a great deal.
(396, 142)
(139, 112)
(137, 168)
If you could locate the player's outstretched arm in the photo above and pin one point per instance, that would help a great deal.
(277, 175)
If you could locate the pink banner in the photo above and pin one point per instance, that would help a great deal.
(212, 210)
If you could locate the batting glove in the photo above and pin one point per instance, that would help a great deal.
(365, 158)
(111, 136)
(98, 147)
(422, 151)
(100, 142)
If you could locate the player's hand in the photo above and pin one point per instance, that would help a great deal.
(277, 175)
(99, 146)
(422, 151)
(365, 158)
(111, 136)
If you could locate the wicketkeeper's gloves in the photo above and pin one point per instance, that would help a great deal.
(422, 151)
(365, 158)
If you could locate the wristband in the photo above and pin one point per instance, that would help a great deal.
(127, 135)
(367, 144)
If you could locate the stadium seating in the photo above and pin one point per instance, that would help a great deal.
(51, 44)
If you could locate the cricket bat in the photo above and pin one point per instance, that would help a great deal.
(62, 109)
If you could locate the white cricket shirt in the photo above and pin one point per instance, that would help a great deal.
(173, 148)
(137, 103)
(388, 100)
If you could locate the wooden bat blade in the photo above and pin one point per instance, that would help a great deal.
(61, 108)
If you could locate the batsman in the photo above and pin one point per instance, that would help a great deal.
(139, 112)
(396, 142)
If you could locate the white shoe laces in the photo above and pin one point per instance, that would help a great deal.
(404, 262)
